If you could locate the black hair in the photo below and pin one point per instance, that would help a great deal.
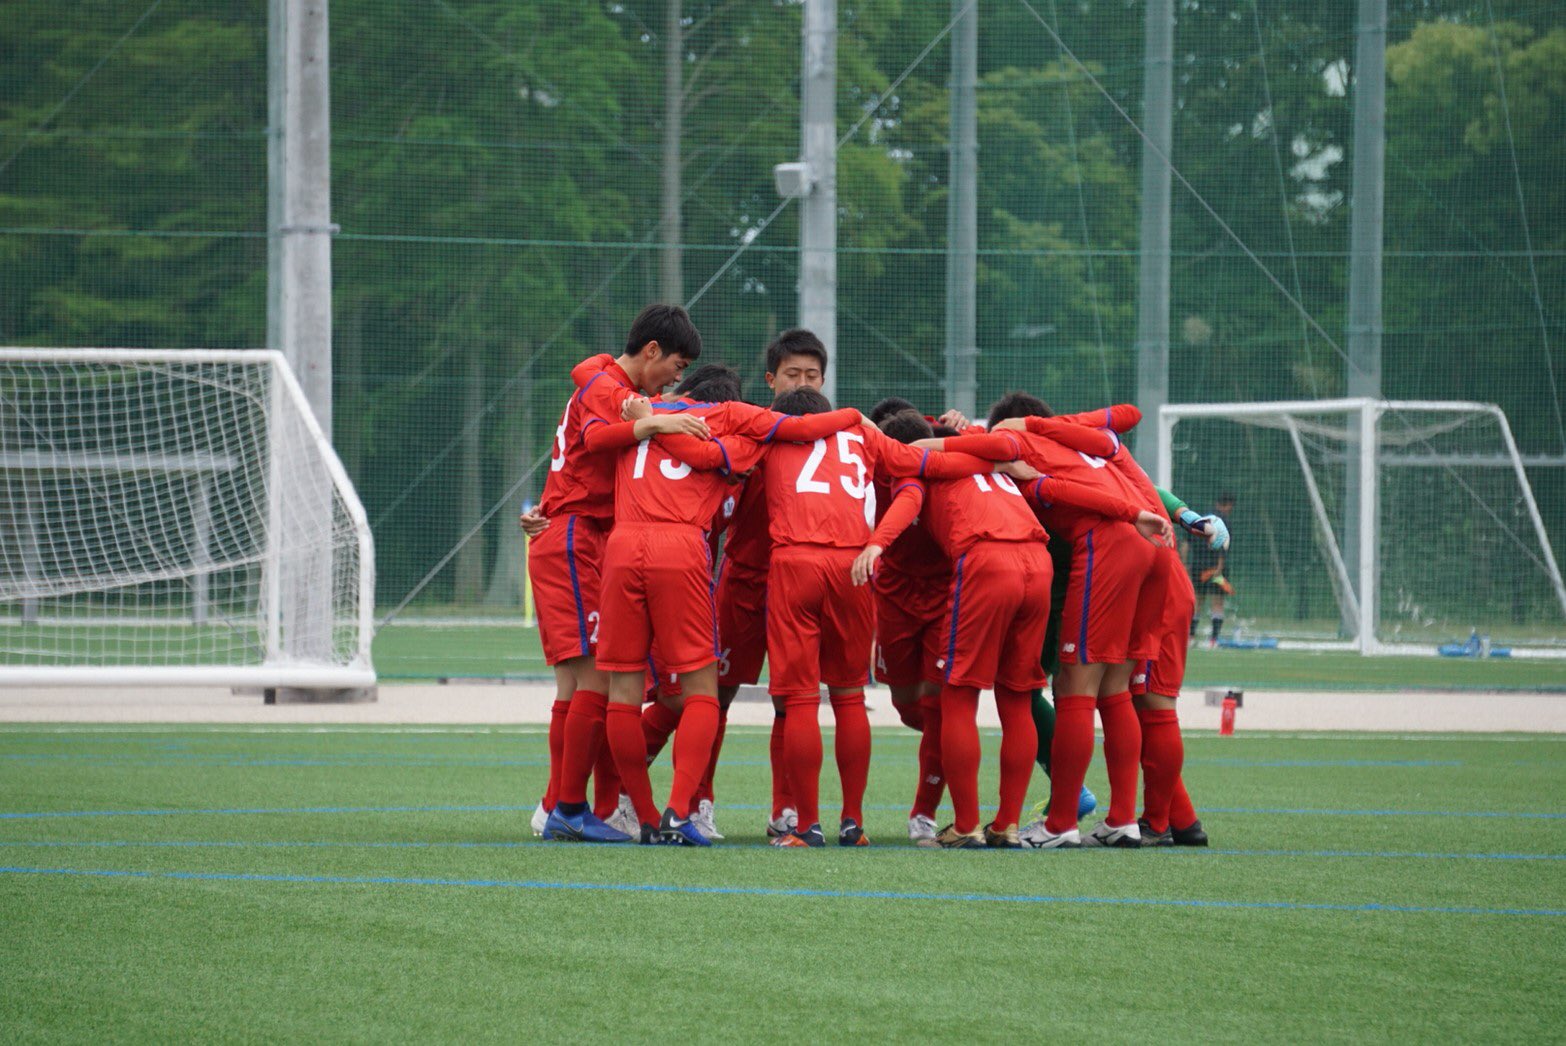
(668, 325)
(1019, 405)
(711, 383)
(944, 431)
(887, 407)
(1224, 498)
(905, 426)
(796, 341)
(803, 400)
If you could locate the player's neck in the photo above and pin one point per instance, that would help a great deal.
(632, 366)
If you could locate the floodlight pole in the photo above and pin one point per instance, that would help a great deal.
(962, 212)
(1364, 304)
(1152, 314)
(818, 207)
(299, 213)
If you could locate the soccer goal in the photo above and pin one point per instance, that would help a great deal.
(1382, 526)
(175, 517)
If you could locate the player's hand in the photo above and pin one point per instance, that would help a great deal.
(681, 424)
(864, 564)
(1019, 470)
(1155, 527)
(1010, 425)
(533, 522)
(635, 408)
(954, 419)
(1216, 530)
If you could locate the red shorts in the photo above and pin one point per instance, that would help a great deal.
(1110, 565)
(1152, 604)
(910, 624)
(742, 623)
(1164, 672)
(820, 625)
(667, 567)
(563, 565)
(999, 613)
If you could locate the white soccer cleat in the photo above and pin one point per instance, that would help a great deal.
(1036, 837)
(1128, 836)
(922, 831)
(703, 821)
(624, 817)
(784, 823)
(540, 819)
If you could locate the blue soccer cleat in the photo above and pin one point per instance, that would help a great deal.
(680, 831)
(582, 827)
(1087, 802)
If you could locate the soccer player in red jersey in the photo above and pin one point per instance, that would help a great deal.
(565, 558)
(1111, 566)
(1000, 607)
(667, 493)
(796, 359)
(820, 624)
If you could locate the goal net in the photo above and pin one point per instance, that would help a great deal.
(175, 517)
(1385, 526)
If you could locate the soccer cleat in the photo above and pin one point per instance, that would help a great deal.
(851, 834)
(1152, 838)
(680, 831)
(703, 821)
(581, 828)
(949, 838)
(1127, 836)
(921, 831)
(1192, 836)
(1036, 837)
(540, 819)
(1087, 802)
(650, 835)
(624, 818)
(1006, 838)
(811, 836)
(785, 822)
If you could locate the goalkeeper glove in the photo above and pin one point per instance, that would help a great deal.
(1210, 527)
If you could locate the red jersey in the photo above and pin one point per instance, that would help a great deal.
(963, 512)
(915, 552)
(580, 482)
(750, 535)
(821, 493)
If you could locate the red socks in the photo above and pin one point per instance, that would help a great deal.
(581, 738)
(658, 722)
(781, 794)
(802, 749)
(1122, 756)
(692, 749)
(852, 748)
(606, 784)
(1069, 755)
(1163, 754)
(1182, 814)
(624, 731)
(1019, 746)
(960, 753)
(704, 790)
(557, 721)
(932, 781)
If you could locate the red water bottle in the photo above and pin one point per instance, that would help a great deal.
(1226, 722)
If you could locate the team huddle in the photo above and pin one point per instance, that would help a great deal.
(914, 545)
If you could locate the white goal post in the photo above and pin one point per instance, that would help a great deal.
(1386, 526)
(175, 517)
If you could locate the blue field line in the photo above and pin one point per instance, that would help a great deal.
(47, 814)
(514, 844)
(173, 812)
(1311, 763)
(766, 891)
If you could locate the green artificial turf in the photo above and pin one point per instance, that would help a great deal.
(381, 884)
(427, 651)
